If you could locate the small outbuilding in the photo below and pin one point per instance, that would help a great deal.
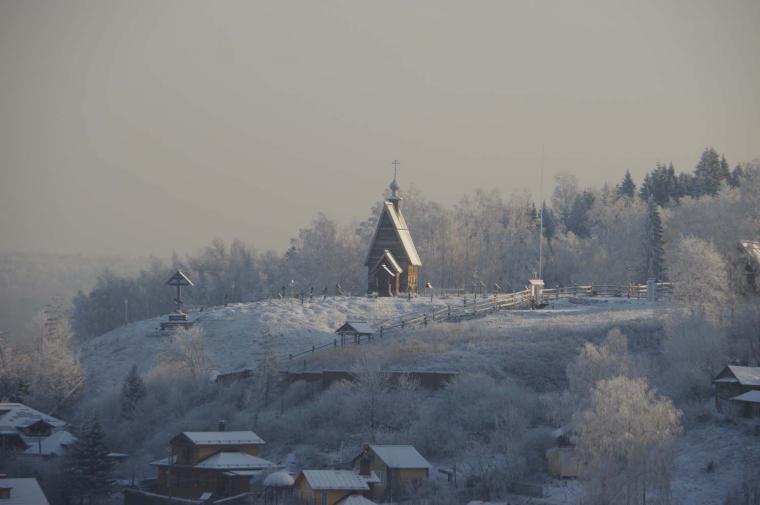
(355, 329)
(734, 381)
(747, 405)
(329, 487)
(278, 487)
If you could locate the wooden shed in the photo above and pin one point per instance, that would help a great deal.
(732, 382)
(392, 261)
(747, 405)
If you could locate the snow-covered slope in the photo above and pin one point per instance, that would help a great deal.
(233, 334)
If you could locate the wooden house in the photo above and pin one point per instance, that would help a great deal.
(218, 462)
(392, 261)
(400, 468)
(733, 381)
(329, 487)
(29, 432)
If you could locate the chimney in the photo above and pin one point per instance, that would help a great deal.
(222, 425)
(365, 462)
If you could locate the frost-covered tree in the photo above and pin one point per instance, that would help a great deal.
(700, 277)
(564, 195)
(598, 362)
(693, 351)
(654, 252)
(87, 467)
(56, 375)
(188, 353)
(625, 441)
(132, 393)
(710, 173)
(626, 188)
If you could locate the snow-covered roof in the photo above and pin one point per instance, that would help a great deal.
(234, 460)
(223, 437)
(18, 415)
(388, 256)
(55, 444)
(355, 499)
(356, 327)
(749, 396)
(399, 224)
(400, 456)
(744, 375)
(279, 479)
(23, 492)
(335, 479)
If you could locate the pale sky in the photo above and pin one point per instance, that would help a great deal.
(140, 128)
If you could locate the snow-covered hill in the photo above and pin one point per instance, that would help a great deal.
(233, 334)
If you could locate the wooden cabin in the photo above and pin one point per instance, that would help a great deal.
(734, 381)
(329, 487)
(400, 468)
(218, 462)
(392, 261)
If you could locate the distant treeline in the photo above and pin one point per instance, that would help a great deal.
(609, 234)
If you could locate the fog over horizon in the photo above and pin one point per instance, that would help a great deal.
(142, 128)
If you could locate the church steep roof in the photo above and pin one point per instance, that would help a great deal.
(402, 231)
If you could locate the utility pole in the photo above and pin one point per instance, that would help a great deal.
(541, 232)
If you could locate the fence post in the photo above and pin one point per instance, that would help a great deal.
(402, 324)
(448, 312)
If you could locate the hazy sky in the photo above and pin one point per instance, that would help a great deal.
(145, 127)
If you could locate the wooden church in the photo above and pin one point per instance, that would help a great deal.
(393, 263)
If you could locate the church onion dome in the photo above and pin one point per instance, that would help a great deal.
(279, 479)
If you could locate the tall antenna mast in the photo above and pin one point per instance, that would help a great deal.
(541, 231)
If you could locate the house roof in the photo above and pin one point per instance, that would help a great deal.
(355, 499)
(23, 492)
(749, 396)
(55, 444)
(234, 461)
(356, 327)
(223, 437)
(744, 375)
(18, 415)
(399, 224)
(335, 479)
(400, 456)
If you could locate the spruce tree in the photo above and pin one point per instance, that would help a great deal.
(88, 467)
(132, 393)
(627, 188)
(653, 242)
(710, 173)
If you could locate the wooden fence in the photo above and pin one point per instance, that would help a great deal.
(473, 305)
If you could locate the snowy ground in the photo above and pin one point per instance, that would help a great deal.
(233, 333)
